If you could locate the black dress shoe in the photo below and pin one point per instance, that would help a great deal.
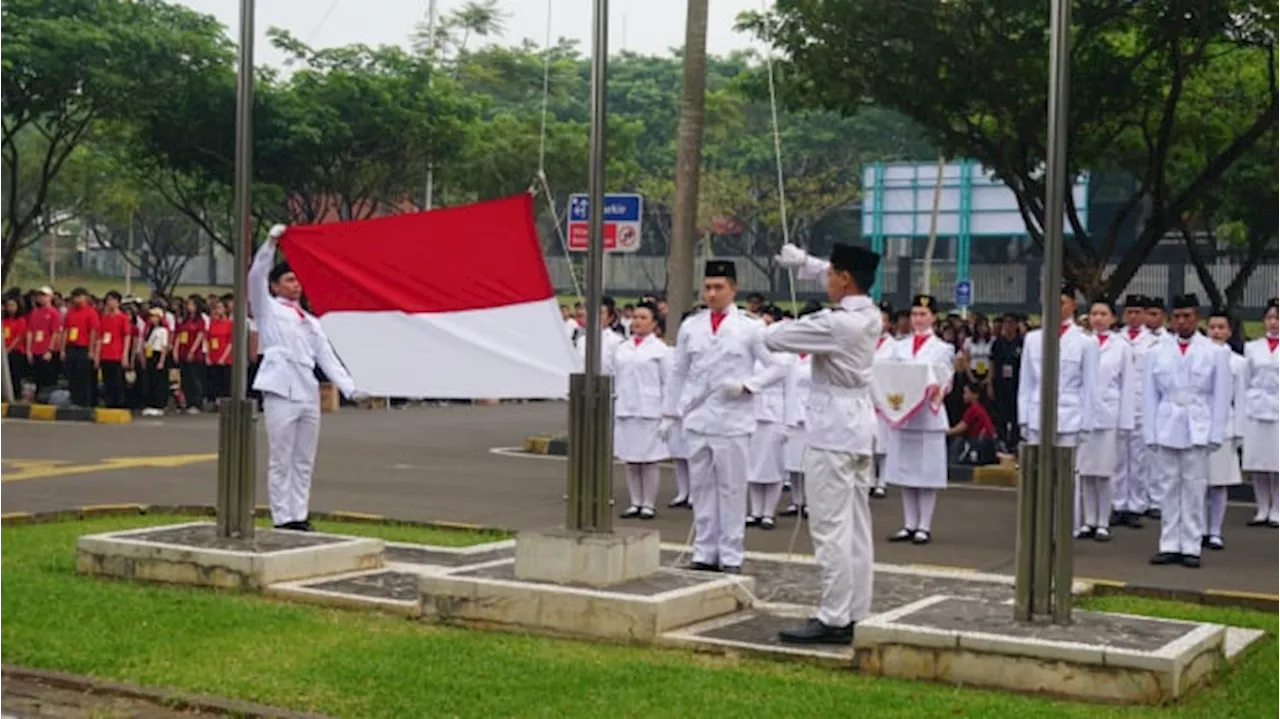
(815, 632)
(753, 521)
(1133, 520)
(305, 526)
(1257, 523)
(1153, 513)
(678, 503)
(1190, 561)
(632, 512)
(879, 493)
(731, 570)
(902, 535)
(296, 526)
(1166, 558)
(921, 537)
(768, 523)
(702, 567)
(791, 511)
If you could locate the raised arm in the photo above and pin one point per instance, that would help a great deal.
(811, 334)
(259, 279)
(807, 266)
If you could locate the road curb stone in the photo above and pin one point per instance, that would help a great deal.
(52, 413)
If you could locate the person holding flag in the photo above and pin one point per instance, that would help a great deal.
(292, 343)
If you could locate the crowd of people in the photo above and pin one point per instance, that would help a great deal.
(147, 354)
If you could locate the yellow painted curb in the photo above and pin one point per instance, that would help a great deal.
(4, 409)
(458, 525)
(15, 516)
(1232, 594)
(944, 568)
(356, 516)
(537, 444)
(43, 412)
(995, 476)
(112, 416)
(102, 510)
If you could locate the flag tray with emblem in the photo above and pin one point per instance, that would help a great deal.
(902, 389)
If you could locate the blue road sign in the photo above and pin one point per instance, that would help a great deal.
(964, 293)
(618, 207)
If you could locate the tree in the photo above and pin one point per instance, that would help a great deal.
(974, 75)
(69, 64)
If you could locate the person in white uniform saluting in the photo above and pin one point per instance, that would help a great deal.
(640, 368)
(1077, 377)
(767, 462)
(1113, 408)
(1130, 500)
(1186, 397)
(713, 379)
(840, 426)
(916, 457)
(1261, 456)
(884, 349)
(1224, 464)
(292, 343)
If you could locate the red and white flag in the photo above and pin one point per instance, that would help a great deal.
(454, 303)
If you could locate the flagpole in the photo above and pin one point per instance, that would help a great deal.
(236, 465)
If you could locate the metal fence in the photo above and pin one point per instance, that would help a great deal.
(1008, 287)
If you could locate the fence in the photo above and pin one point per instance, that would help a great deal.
(1008, 287)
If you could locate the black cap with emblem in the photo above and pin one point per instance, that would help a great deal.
(1068, 290)
(1186, 302)
(928, 302)
(721, 268)
(1135, 301)
(1155, 303)
(1103, 298)
(886, 307)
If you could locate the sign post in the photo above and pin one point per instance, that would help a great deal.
(623, 220)
(964, 296)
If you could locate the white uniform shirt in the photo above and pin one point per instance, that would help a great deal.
(705, 361)
(609, 341)
(1186, 396)
(1262, 401)
(839, 414)
(290, 339)
(770, 403)
(1114, 398)
(799, 379)
(639, 372)
(942, 356)
(1077, 378)
(1239, 393)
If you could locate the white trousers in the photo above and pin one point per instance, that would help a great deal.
(682, 478)
(1266, 494)
(293, 431)
(1184, 475)
(1132, 473)
(718, 492)
(840, 526)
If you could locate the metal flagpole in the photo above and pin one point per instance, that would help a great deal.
(591, 394)
(1046, 487)
(236, 465)
(429, 198)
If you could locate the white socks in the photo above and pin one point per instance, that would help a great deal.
(642, 483)
(1095, 497)
(682, 479)
(1216, 506)
(797, 488)
(917, 508)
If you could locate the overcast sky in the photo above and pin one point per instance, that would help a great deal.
(643, 26)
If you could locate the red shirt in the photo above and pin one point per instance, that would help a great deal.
(116, 328)
(977, 422)
(15, 334)
(82, 322)
(220, 342)
(43, 323)
(185, 346)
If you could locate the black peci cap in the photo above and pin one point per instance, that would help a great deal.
(928, 302)
(1068, 290)
(1135, 301)
(279, 271)
(1184, 302)
(851, 258)
(1272, 304)
(721, 268)
(886, 307)
(1154, 303)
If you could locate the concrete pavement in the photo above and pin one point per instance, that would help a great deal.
(440, 464)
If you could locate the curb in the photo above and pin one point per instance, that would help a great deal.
(53, 413)
(162, 697)
(1101, 587)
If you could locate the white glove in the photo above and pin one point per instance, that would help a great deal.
(791, 256)
(665, 427)
(277, 231)
(359, 396)
(733, 390)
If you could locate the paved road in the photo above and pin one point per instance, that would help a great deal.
(438, 464)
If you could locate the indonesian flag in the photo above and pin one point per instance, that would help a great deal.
(452, 304)
(901, 389)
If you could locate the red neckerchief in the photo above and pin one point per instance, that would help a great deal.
(1272, 342)
(917, 341)
(717, 316)
(1184, 344)
(639, 339)
(1102, 339)
(803, 355)
(296, 308)
(1062, 331)
(1134, 332)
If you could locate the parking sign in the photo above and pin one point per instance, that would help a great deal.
(623, 219)
(964, 293)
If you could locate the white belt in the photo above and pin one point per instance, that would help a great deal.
(1182, 398)
(834, 391)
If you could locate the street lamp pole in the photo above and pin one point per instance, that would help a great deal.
(236, 465)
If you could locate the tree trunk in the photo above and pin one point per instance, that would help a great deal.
(688, 167)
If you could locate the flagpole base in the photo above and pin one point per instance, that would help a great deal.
(590, 453)
(237, 467)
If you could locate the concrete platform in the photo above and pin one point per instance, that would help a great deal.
(193, 554)
(385, 590)
(1100, 657)
(636, 611)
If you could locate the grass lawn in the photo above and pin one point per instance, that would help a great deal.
(353, 664)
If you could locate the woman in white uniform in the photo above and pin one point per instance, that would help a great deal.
(1113, 410)
(880, 442)
(799, 376)
(1261, 457)
(766, 467)
(640, 367)
(1224, 464)
(917, 453)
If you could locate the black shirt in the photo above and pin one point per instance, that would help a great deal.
(1006, 359)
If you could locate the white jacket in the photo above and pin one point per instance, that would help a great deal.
(798, 381)
(770, 403)
(639, 376)
(1077, 378)
(1263, 381)
(1114, 401)
(609, 341)
(1187, 397)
